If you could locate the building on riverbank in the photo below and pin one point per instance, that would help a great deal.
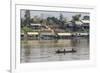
(64, 35)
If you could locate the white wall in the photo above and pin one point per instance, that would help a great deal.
(86, 2)
(5, 35)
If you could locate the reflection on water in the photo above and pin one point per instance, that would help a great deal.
(45, 50)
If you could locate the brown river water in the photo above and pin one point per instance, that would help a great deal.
(45, 50)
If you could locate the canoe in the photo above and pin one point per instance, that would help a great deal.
(64, 51)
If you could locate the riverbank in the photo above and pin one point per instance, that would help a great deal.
(50, 36)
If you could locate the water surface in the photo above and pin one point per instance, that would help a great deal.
(45, 50)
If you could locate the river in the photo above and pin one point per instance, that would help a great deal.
(45, 50)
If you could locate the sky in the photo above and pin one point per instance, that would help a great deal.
(45, 14)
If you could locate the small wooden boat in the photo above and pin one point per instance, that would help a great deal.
(64, 51)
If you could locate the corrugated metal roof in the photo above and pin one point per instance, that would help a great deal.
(83, 33)
(36, 24)
(64, 34)
(78, 23)
(22, 33)
(85, 21)
(45, 33)
(32, 33)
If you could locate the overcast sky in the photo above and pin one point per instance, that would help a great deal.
(45, 14)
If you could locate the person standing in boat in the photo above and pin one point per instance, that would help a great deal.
(64, 50)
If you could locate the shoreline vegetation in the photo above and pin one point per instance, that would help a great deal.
(53, 28)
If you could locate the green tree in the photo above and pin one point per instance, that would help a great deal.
(27, 18)
(74, 19)
(61, 17)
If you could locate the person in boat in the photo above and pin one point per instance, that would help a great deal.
(73, 50)
(58, 51)
(64, 50)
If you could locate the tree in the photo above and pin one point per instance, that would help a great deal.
(86, 18)
(74, 19)
(27, 18)
(61, 17)
(22, 22)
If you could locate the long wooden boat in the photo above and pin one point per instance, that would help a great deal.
(65, 51)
